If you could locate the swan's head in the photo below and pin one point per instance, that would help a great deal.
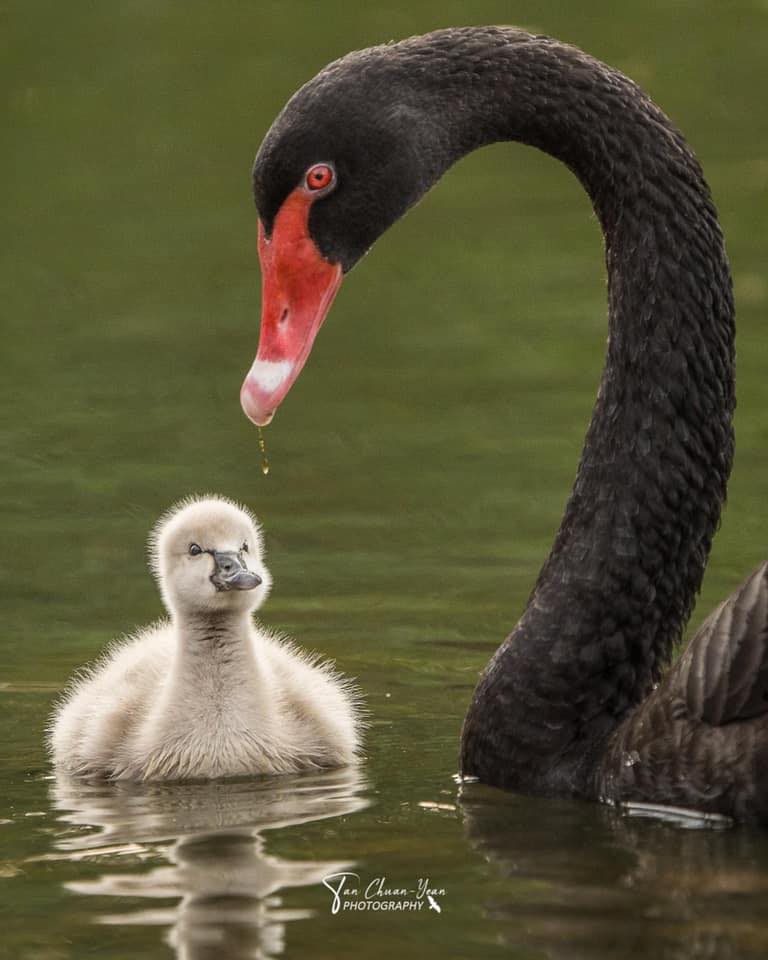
(348, 155)
(207, 556)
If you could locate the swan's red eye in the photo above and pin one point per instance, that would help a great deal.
(320, 176)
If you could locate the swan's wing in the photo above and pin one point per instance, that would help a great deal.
(723, 674)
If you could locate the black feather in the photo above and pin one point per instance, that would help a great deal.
(572, 702)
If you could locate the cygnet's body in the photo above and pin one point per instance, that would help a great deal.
(208, 693)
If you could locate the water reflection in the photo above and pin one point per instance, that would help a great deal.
(224, 882)
(585, 881)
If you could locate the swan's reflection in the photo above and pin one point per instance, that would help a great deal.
(585, 881)
(224, 882)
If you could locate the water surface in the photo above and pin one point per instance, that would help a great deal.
(419, 469)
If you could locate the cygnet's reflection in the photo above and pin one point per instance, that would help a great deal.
(210, 833)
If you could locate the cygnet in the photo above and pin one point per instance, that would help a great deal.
(209, 692)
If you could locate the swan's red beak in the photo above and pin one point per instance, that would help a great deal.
(298, 287)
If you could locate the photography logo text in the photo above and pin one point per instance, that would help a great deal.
(351, 894)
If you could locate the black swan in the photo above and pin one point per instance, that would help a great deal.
(573, 702)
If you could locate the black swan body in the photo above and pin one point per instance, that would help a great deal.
(574, 702)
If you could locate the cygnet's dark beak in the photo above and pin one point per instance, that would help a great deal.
(230, 573)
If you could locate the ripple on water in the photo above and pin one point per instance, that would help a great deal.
(212, 852)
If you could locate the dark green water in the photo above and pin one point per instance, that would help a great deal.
(419, 469)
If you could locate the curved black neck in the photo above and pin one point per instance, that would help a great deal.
(629, 556)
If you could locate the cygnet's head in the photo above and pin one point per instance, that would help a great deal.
(206, 554)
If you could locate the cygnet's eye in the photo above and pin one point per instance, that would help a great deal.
(244, 547)
(195, 549)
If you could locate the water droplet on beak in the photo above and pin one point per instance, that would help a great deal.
(263, 451)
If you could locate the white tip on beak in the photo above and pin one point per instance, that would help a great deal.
(269, 375)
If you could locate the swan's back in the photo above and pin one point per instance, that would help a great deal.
(701, 738)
